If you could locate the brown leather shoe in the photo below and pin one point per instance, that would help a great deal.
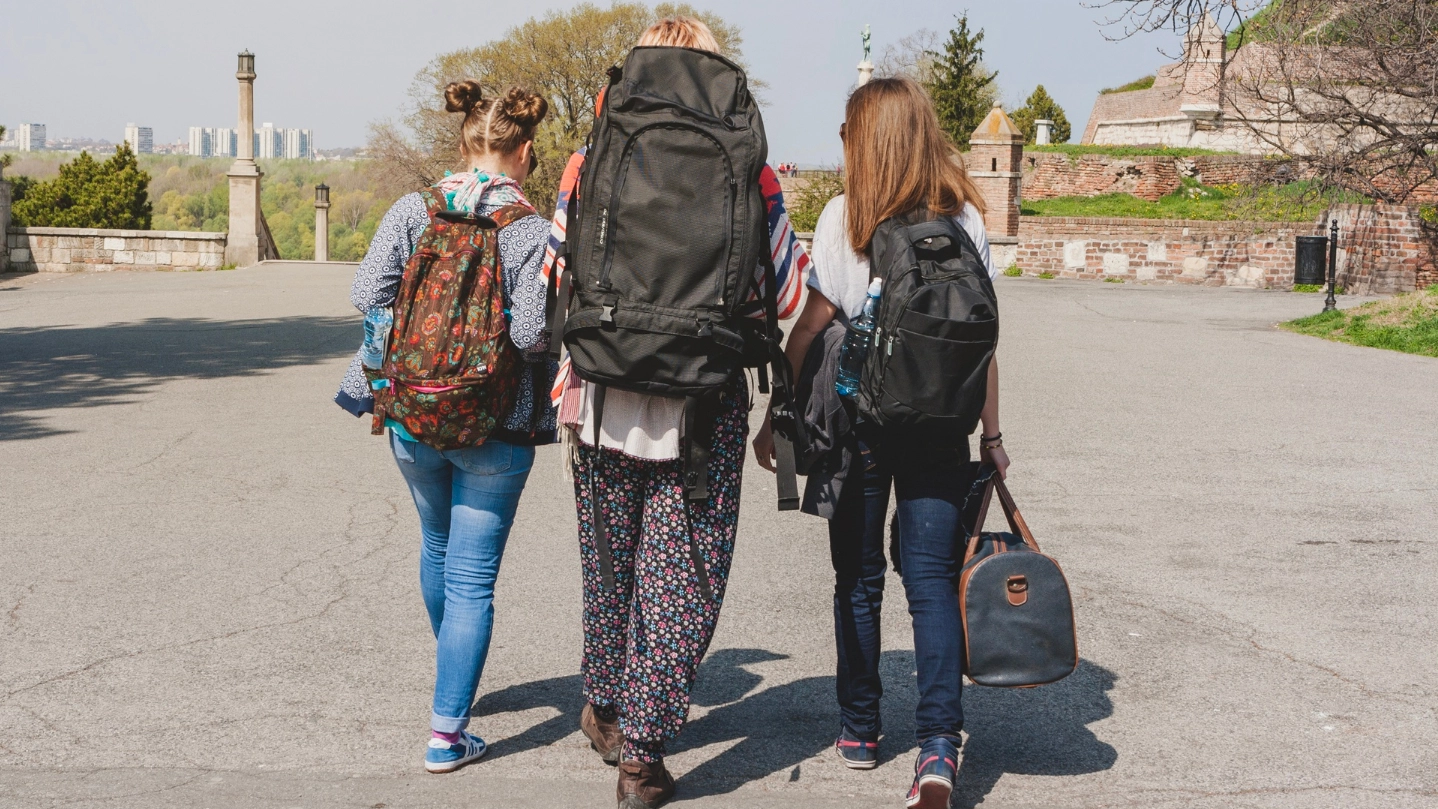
(604, 735)
(644, 786)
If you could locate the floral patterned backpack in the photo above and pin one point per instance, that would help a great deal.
(450, 375)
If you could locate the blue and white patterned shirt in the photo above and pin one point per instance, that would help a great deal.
(521, 257)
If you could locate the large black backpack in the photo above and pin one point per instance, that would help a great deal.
(663, 241)
(938, 323)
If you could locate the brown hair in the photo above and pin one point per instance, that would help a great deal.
(494, 125)
(680, 32)
(897, 159)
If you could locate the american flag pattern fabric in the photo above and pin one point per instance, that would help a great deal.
(791, 261)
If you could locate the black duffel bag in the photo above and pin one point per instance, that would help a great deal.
(1017, 612)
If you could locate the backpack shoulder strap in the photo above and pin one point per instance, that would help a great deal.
(509, 214)
(434, 202)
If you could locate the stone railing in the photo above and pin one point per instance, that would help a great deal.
(94, 250)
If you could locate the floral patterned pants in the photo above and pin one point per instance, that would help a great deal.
(643, 640)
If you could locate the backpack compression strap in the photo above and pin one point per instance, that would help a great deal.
(782, 415)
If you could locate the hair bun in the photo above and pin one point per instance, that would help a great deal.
(462, 96)
(525, 108)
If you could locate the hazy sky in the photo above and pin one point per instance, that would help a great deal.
(87, 67)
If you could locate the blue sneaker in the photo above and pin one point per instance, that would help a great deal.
(445, 757)
(934, 774)
(856, 753)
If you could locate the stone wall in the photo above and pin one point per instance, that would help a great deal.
(1252, 254)
(4, 223)
(1382, 249)
(92, 250)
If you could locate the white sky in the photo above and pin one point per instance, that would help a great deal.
(87, 67)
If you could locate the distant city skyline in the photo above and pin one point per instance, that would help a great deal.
(331, 66)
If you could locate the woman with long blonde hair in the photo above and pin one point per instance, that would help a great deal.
(897, 162)
(645, 633)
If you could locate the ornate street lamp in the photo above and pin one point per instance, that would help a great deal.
(322, 195)
(1332, 303)
(247, 64)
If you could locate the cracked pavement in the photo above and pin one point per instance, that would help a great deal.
(209, 590)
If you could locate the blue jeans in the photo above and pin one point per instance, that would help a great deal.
(466, 500)
(931, 487)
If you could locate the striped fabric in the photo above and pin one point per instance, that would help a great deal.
(791, 261)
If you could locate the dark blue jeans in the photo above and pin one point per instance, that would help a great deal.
(931, 487)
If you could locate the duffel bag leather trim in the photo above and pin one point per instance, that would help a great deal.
(1016, 599)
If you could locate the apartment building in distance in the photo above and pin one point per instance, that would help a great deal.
(140, 138)
(271, 143)
(30, 137)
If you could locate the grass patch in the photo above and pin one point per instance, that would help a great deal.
(1046, 275)
(1407, 323)
(1295, 202)
(1113, 279)
(1013, 271)
(1144, 83)
(1307, 287)
(1078, 149)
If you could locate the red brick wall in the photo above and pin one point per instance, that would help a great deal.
(1210, 253)
(1048, 175)
(1383, 249)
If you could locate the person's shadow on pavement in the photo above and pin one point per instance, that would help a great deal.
(1034, 731)
(564, 694)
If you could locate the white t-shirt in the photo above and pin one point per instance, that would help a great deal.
(842, 276)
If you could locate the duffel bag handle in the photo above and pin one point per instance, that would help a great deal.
(1011, 513)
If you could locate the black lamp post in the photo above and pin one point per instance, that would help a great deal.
(1332, 303)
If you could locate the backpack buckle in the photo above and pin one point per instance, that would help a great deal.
(608, 316)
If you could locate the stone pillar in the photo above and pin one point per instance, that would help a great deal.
(995, 162)
(322, 222)
(866, 72)
(242, 249)
(1043, 132)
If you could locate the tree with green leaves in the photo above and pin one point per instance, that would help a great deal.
(5, 159)
(90, 194)
(564, 56)
(962, 87)
(1039, 106)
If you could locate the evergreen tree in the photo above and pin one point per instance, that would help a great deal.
(1041, 105)
(962, 88)
(89, 194)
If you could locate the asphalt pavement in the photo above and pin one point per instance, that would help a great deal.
(209, 590)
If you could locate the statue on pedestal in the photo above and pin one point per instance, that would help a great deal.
(866, 67)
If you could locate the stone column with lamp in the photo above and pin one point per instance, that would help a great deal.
(322, 222)
(1043, 132)
(243, 247)
(995, 162)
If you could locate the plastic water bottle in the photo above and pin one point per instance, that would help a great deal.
(857, 342)
(377, 323)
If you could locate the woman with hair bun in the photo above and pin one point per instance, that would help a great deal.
(467, 498)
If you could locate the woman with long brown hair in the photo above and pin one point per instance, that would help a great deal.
(897, 162)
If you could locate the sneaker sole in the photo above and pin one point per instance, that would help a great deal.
(856, 765)
(934, 793)
(635, 802)
(441, 767)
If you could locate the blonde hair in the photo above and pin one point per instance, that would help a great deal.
(679, 32)
(897, 159)
(494, 125)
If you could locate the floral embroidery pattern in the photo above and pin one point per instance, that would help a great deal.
(643, 642)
